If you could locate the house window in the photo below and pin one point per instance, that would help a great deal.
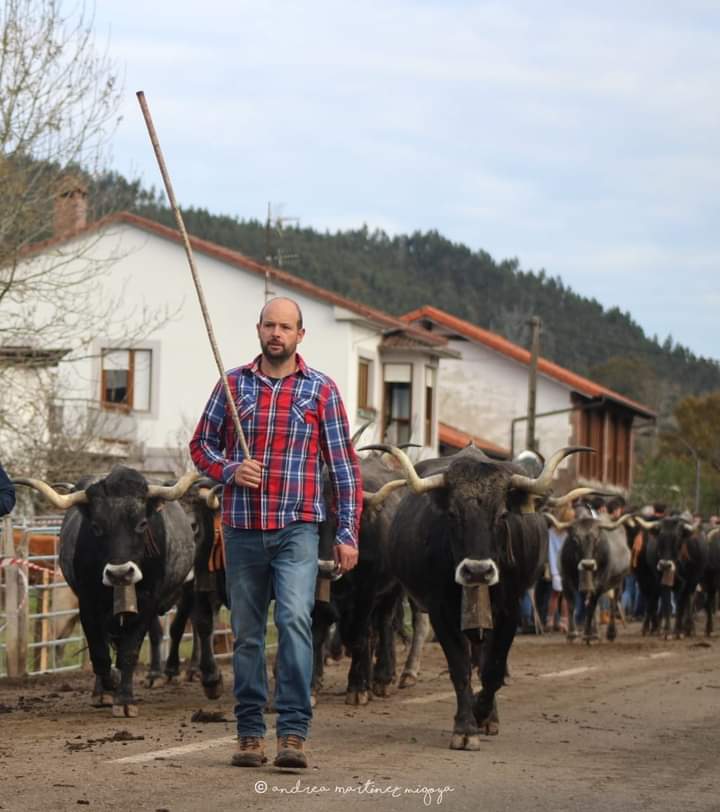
(125, 380)
(364, 397)
(429, 392)
(397, 403)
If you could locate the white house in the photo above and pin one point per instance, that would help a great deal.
(484, 397)
(148, 391)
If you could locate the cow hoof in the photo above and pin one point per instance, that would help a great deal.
(462, 741)
(407, 680)
(357, 698)
(103, 700)
(151, 678)
(214, 689)
(172, 679)
(381, 689)
(127, 710)
(191, 674)
(490, 728)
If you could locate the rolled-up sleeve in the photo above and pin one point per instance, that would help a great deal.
(207, 447)
(343, 467)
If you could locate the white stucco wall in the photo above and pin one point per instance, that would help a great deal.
(482, 393)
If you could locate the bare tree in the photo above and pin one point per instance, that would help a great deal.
(58, 108)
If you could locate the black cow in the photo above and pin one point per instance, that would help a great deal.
(672, 560)
(201, 597)
(364, 601)
(126, 547)
(594, 559)
(467, 544)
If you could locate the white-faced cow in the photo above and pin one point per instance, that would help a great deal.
(126, 547)
(466, 543)
(594, 559)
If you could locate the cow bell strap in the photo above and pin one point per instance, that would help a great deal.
(216, 562)
(151, 547)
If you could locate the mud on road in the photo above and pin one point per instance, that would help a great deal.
(633, 725)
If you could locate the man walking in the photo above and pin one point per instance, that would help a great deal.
(293, 419)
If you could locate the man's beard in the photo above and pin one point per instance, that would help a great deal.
(275, 357)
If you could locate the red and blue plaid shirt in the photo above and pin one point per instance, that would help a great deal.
(291, 426)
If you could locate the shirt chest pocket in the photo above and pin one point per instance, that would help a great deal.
(246, 406)
(304, 413)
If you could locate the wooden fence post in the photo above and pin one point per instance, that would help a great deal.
(16, 608)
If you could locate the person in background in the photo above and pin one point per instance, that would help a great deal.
(7, 493)
(557, 614)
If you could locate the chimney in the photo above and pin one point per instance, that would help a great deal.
(70, 213)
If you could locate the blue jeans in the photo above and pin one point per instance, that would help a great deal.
(281, 564)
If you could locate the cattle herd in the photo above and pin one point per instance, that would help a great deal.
(460, 538)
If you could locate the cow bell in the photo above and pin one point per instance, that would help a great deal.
(476, 610)
(125, 600)
(587, 581)
(322, 590)
(668, 577)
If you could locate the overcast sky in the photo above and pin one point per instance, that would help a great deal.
(579, 137)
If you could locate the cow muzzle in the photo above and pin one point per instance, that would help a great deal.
(473, 572)
(667, 572)
(127, 574)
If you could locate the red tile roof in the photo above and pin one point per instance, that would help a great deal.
(384, 320)
(495, 342)
(459, 439)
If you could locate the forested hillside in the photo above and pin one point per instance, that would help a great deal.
(403, 272)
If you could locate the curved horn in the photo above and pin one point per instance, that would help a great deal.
(358, 434)
(627, 518)
(374, 500)
(714, 532)
(418, 484)
(172, 492)
(646, 525)
(571, 496)
(558, 524)
(61, 501)
(210, 495)
(541, 484)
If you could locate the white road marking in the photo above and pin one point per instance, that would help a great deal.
(426, 700)
(658, 655)
(174, 751)
(570, 672)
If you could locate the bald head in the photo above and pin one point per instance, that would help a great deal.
(279, 307)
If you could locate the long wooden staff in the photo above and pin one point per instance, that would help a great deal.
(193, 269)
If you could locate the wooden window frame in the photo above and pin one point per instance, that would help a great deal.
(129, 405)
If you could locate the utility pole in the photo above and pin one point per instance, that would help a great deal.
(272, 257)
(535, 325)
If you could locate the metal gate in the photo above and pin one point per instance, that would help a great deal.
(40, 630)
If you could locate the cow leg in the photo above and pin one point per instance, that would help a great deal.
(155, 633)
(611, 629)
(324, 615)
(203, 624)
(421, 627)
(445, 622)
(105, 683)
(590, 627)
(177, 630)
(569, 593)
(666, 609)
(356, 634)
(385, 616)
(128, 650)
(493, 662)
(709, 608)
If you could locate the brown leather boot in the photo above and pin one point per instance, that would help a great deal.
(290, 752)
(250, 752)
